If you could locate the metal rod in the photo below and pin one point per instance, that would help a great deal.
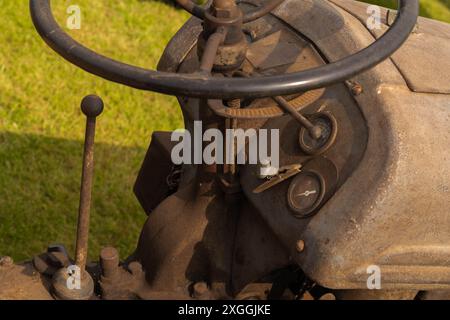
(211, 48)
(230, 169)
(314, 131)
(192, 8)
(260, 12)
(92, 107)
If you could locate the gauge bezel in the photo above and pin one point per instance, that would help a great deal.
(333, 135)
(306, 213)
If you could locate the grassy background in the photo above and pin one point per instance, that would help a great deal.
(41, 126)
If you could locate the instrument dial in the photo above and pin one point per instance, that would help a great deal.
(306, 193)
(328, 125)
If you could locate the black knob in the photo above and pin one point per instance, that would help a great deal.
(92, 106)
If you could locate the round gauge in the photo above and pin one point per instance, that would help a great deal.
(306, 193)
(328, 125)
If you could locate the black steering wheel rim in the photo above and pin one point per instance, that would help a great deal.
(206, 86)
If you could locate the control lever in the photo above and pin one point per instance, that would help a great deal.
(74, 282)
(314, 131)
(92, 107)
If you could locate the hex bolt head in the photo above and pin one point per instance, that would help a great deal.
(92, 106)
(300, 246)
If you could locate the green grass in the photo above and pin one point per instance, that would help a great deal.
(41, 126)
(436, 9)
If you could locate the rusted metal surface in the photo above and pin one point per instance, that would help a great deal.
(109, 262)
(213, 237)
(387, 189)
(210, 51)
(22, 282)
(222, 45)
(158, 178)
(183, 210)
(425, 59)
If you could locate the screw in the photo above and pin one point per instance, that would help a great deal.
(355, 88)
(300, 246)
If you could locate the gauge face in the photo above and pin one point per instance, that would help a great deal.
(328, 125)
(306, 193)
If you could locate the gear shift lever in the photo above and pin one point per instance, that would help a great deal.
(74, 282)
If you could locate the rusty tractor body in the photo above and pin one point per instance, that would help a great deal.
(374, 148)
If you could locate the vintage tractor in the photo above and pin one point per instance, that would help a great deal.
(358, 206)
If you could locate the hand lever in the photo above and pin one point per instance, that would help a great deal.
(314, 131)
(92, 107)
(74, 282)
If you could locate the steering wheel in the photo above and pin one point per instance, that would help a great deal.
(203, 84)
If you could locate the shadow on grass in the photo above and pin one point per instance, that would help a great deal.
(39, 190)
(168, 2)
(445, 3)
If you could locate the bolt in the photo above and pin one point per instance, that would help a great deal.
(6, 262)
(109, 260)
(300, 246)
(200, 289)
(355, 88)
(223, 9)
